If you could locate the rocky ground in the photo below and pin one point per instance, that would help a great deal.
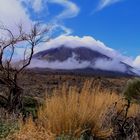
(38, 85)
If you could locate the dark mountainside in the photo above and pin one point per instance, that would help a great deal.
(62, 54)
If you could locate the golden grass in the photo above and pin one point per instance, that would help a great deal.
(70, 113)
(31, 131)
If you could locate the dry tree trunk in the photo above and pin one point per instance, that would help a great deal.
(8, 73)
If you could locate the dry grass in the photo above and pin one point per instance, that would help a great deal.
(8, 123)
(70, 113)
(31, 131)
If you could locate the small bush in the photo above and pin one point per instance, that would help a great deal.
(7, 128)
(8, 123)
(30, 106)
(29, 101)
(132, 90)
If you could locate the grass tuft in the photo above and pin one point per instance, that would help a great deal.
(70, 114)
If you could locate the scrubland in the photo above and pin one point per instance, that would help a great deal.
(70, 113)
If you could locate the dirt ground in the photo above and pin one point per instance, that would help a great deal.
(38, 85)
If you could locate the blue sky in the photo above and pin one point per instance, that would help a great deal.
(116, 23)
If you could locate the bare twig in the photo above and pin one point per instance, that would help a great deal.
(8, 73)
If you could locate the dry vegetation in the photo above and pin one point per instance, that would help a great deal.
(70, 114)
(76, 107)
(36, 84)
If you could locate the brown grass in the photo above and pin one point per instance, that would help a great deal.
(70, 113)
(31, 131)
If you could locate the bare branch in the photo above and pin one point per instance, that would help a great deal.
(1, 96)
(8, 72)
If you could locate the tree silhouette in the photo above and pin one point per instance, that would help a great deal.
(9, 71)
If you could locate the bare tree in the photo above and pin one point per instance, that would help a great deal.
(8, 71)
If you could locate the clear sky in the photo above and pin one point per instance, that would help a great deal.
(114, 22)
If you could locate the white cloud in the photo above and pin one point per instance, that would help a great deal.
(136, 62)
(73, 63)
(12, 12)
(86, 41)
(37, 5)
(63, 30)
(70, 64)
(113, 65)
(105, 3)
(70, 8)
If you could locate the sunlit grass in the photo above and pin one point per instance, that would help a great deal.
(70, 113)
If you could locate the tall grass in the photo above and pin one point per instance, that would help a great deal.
(31, 131)
(70, 113)
(8, 123)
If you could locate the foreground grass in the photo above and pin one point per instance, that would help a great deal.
(8, 124)
(72, 114)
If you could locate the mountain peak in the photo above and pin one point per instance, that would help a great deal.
(82, 59)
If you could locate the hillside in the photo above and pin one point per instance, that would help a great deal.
(80, 60)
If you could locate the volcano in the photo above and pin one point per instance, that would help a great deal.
(79, 60)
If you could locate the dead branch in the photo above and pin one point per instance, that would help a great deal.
(9, 73)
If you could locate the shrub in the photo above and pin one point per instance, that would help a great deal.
(132, 90)
(30, 106)
(68, 114)
(7, 128)
(8, 123)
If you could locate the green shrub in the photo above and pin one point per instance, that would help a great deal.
(30, 106)
(29, 101)
(7, 128)
(132, 90)
(29, 111)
